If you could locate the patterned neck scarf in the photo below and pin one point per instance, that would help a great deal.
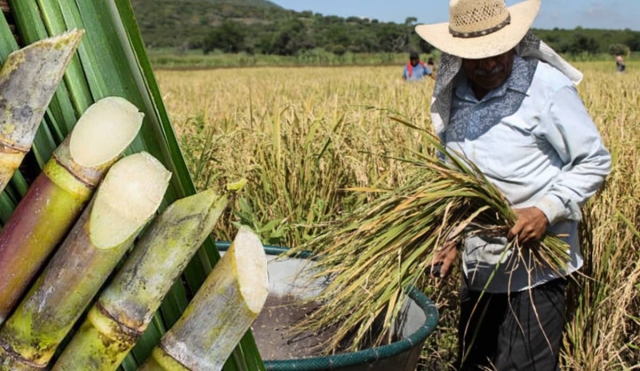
(449, 68)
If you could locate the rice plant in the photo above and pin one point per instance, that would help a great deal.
(240, 108)
(375, 253)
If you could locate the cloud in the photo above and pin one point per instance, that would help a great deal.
(598, 10)
(609, 14)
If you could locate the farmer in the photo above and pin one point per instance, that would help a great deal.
(620, 63)
(432, 66)
(507, 102)
(415, 70)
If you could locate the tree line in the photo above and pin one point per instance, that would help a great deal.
(356, 35)
(232, 27)
(309, 31)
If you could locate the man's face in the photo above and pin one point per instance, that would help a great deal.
(414, 61)
(489, 73)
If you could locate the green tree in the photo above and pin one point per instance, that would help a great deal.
(291, 38)
(619, 49)
(229, 37)
(338, 35)
(583, 44)
(410, 21)
(392, 37)
(633, 41)
(364, 42)
(425, 47)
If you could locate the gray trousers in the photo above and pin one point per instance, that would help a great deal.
(519, 331)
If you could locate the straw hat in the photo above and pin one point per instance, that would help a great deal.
(481, 28)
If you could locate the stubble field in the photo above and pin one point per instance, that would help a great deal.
(301, 136)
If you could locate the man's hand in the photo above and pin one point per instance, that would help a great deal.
(444, 259)
(530, 226)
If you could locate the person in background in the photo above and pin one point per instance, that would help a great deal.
(507, 102)
(620, 63)
(416, 70)
(432, 66)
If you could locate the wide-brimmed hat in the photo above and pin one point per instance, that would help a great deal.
(481, 28)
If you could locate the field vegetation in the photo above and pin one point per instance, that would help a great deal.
(167, 58)
(302, 136)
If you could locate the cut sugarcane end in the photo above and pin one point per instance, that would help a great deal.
(251, 265)
(10, 159)
(104, 131)
(67, 39)
(127, 198)
(29, 77)
(62, 40)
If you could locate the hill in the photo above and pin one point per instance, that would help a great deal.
(181, 23)
(260, 26)
(255, 3)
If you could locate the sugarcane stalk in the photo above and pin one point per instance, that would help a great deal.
(221, 312)
(126, 200)
(58, 195)
(125, 308)
(28, 80)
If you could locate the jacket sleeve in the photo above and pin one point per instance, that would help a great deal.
(568, 127)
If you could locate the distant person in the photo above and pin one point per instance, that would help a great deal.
(432, 66)
(620, 63)
(416, 70)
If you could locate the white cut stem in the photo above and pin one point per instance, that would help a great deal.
(104, 131)
(116, 218)
(223, 309)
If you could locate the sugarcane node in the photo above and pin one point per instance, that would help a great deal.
(16, 357)
(78, 175)
(167, 356)
(127, 332)
(113, 336)
(160, 359)
(10, 158)
(11, 148)
(64, 178)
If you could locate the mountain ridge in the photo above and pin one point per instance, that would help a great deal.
(262, 26)
(170, 23)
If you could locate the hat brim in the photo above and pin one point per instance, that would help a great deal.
(522, 16)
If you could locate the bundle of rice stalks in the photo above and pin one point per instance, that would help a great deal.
(376, 253)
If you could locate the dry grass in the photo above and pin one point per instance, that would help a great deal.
(303, 135)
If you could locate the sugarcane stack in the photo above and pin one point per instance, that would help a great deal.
(90, 207)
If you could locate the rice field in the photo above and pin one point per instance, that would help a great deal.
(303, 136)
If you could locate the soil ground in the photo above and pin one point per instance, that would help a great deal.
(272, 330)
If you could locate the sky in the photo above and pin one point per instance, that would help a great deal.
(609, 14)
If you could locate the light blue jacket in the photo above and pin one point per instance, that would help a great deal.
(534, 139)
(417, 72)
